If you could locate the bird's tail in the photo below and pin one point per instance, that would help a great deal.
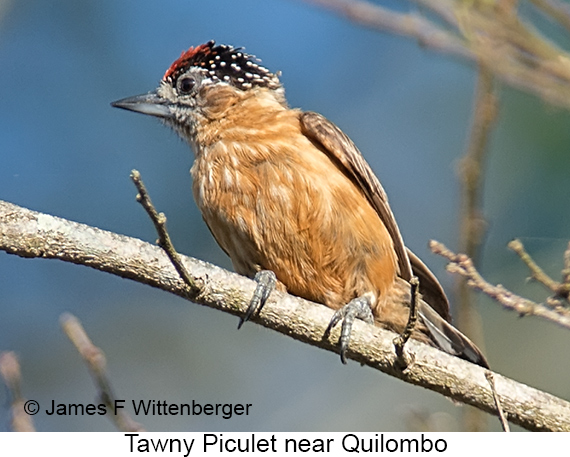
(446, 337)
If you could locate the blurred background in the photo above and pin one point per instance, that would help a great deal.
(66, 152)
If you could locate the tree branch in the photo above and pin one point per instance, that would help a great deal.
(510, 47)
(30, 234)
(463, 265)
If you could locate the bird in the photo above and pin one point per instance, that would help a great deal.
(292, 201)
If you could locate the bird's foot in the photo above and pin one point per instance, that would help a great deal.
(266, 282)
(359, 308)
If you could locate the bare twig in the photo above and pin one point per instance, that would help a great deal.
(537, 273)
(561, 290)
(21, 413)
(95, 361)
(30, 234)
(500, 412)
(462, 264)
(401, 340)
(164, 241)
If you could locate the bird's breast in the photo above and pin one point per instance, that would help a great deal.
(285, 207)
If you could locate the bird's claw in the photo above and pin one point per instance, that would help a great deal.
(359, 308)
(266, 282)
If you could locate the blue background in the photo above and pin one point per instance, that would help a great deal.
(66, 152)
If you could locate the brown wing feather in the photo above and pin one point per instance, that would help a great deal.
(340, 148)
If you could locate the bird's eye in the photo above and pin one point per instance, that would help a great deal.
(185, 84)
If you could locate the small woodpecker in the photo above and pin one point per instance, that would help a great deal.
(292, 201)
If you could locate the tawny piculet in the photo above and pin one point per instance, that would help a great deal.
(287, 195)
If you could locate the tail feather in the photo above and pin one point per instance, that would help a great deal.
(448, 338)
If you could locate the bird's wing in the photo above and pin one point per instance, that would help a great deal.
(340, 148)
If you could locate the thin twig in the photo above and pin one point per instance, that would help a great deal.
(22, 411)
(463, 265)
(537, 273)
(95, 361)
(400, 341)
(500, 412)
(164, 241)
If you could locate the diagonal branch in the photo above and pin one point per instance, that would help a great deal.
(30, 234)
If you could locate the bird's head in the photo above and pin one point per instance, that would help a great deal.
(203, 84)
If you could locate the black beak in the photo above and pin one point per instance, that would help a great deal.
(151, 104)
